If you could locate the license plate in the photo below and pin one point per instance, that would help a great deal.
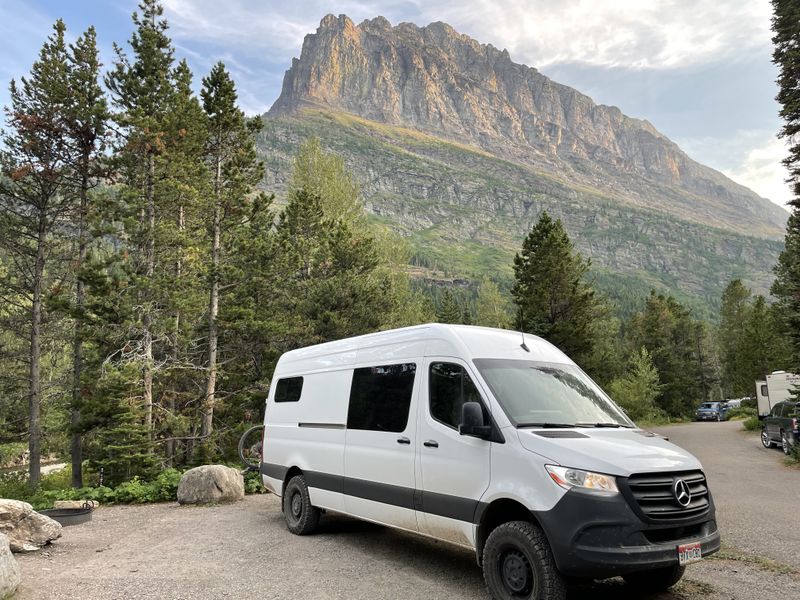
(689, 553)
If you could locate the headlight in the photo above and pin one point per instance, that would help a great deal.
(569, 478)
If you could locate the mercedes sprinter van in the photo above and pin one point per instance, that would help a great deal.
(487, 439)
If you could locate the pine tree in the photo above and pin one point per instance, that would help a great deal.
(552, 296)
(86, 117)
(734, 315)
(448, 310)
(235, 170)
(492, 307)
(786, 288)
(143, 92)
(32, 206)
(638, 390)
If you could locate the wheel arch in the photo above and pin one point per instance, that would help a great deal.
(291, 472)
(497, 512)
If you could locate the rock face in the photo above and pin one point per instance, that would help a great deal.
(9, 570)
(210, 484)
(26, 529)
(438, 81)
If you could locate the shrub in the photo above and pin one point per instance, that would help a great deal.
(752, 423)
(742, 412)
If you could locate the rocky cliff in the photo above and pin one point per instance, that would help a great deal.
(436, 80)
(460, 149)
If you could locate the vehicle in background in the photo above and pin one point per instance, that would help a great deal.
(777, 387)
(712, 411)
(780, 427)
(735, 403)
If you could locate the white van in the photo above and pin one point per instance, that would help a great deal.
(489, 440)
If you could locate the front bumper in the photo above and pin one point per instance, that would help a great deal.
(600, 536)
(707, 417)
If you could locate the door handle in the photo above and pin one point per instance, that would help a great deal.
(403, 440)
(430, 444)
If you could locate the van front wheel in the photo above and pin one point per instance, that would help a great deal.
(301, 517)
(655, 580)
(518, 564)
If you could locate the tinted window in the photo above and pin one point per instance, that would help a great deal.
(380, 397)
(289, 390)
(776, 410)
(764, 391)
(450, 387)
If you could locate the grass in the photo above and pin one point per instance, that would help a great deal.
(689, 589)
(762, 563)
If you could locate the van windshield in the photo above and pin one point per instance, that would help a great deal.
(541, 394)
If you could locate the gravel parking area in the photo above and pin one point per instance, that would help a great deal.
(169, 552)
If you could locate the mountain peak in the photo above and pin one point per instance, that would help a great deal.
(444, 83)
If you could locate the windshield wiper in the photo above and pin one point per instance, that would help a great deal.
(546, 425)
(612, 425)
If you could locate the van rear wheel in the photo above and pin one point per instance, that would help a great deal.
(518, 564)
(301, 516)
(655, 580)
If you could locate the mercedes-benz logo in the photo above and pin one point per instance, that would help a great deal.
(683, 496)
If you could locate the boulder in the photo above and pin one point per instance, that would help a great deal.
(26, 529)
(9, 569)
(210, 484)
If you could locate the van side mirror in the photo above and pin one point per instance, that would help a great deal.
(472, 421)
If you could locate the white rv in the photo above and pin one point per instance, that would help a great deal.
(777, 387)
(489, 440)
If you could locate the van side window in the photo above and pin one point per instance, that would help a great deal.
(289, 389)
(449, 388)
(380, 397)
(764, 390)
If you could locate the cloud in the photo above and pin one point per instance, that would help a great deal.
(762, 171)
(630, 33)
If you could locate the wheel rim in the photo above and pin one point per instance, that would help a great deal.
(296, 506)
(516, 573)
(765, 439)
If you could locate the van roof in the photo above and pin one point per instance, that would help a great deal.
(463, 341)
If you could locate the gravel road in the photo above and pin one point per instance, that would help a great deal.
(755, 493)
(243, 551)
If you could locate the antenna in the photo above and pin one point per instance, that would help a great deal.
(523, 345)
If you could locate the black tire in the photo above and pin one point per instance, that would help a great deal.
(654, 580)
(301, 516)
(786, 444)
(766, 441)
(518, 564)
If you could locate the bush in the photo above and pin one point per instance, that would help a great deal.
(752, 423)
(742, 413)
(10, 453)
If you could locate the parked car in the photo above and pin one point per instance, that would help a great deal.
(468, 436)
(712, 411)
(781, 426)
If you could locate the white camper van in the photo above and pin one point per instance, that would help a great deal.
(489, 440)
(777, 387)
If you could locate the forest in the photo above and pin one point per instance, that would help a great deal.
(149, 283)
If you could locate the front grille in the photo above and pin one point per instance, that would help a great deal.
(653, 492)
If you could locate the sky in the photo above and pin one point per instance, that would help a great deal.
(699, 70)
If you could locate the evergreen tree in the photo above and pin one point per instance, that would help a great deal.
(492, 307)
(235, 170)
(33, 208)
(552, 296)
(143, 92)
(86, 119)
(734, 315)
(638, 390)
(786, 288)
(448, 310)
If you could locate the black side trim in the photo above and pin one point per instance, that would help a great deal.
(560, 434)
(443, 505)
(323, 425)
(274, 471)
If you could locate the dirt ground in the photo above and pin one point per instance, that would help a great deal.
(165, 551)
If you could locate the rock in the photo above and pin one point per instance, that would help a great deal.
(75, 504)
(26, 529)
(9, 569)
(211, 484)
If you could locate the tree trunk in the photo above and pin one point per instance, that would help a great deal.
(77, 341)
(35, 393)
(169, 447)
(147, 319)
(213, 309)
